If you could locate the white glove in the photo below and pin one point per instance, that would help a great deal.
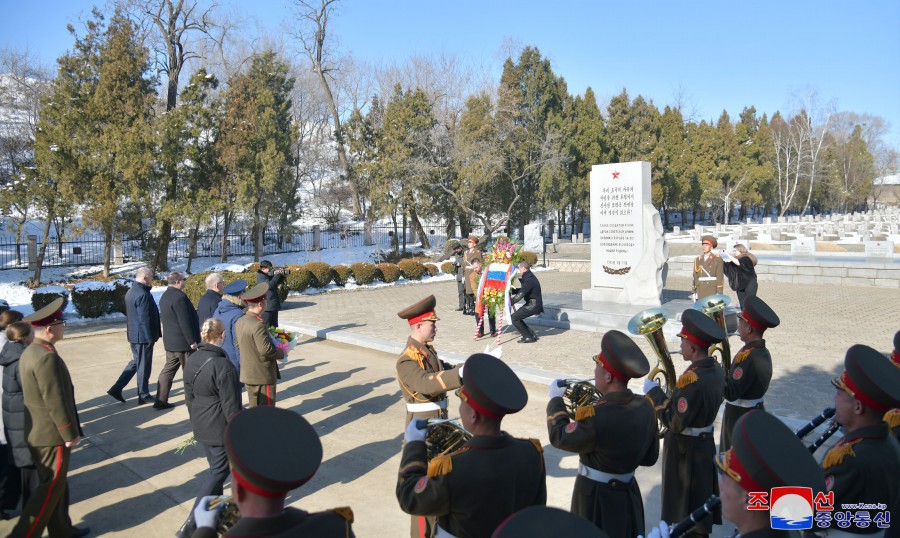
(693, 298)
(555, 390)
(461, 366)
(648, 385)
(205, 517)
(662, 531)
(413, 433)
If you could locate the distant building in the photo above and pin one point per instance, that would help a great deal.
(885, 191)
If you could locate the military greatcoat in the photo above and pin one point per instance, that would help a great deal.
(708, 275)
(424, 379)
(689, 473)
(615, 435)
(290, 523)
(747, 380)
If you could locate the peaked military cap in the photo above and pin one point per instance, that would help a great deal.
(758, 314)
(235, 288)
(272, 450)
(421, 311)
(257, 293)
(713, 242)
(491, 388)
(621, 357)
(870, 379)
(541, 521)
(473, 239)
(47, 315)
(895, 354)
(700, 329)
(765, 454)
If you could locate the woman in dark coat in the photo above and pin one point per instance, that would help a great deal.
(741, 273)
(16, 483)
(212, 396)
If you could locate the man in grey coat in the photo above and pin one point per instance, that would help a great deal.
(143, 331)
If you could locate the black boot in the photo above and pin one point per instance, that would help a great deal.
(188, 527)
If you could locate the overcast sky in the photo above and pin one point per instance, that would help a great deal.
(716, 54)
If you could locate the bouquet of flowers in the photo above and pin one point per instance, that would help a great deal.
(505, 251)
(283, 339)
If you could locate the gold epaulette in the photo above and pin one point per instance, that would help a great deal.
(686, 379)
(537, 444)
(892, 417)
(345, 512)
(415, 355)
(741, 356)
(835, 456)
(440, 465)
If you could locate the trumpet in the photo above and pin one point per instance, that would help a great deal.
(444, 435)
(714, 307)
(833, 426)
(710, 506)
(579, 392)
(650, 324)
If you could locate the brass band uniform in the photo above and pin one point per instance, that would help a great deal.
(689, 475)
(748, 377)
(613, 437)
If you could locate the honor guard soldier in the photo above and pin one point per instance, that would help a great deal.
(472, 490)
(864, 466)
(708, 271)
(543, 521)
(272, 451)
(765, 454)
(259, 369)
(612, 437)
(473, 253)
(51, 426)
(748, 378)
(892, 417)
(689, 414)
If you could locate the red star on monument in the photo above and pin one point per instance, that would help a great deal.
(615, 175)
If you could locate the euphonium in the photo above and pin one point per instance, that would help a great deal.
(444, 436)
(228, 516)
(650, 324)
(579, 392)
(714, 307)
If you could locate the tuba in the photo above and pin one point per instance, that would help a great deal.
(444, 436)
(714, 307)
(650, 324)
(579, 392)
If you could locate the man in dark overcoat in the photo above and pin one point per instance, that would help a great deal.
(181, 334)
(143, 330)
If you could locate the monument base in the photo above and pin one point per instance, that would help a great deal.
(614, 295)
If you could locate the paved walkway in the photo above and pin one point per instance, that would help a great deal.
(818, 324)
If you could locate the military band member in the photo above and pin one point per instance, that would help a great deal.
(472, 490)
(892, 417)
(765, 454)
(51, 426)
(708, 271)
(259, 356)
(272, 451)
(689, 475)
(864, 466)
(748, 377)
(424, 379)
(543, 521)
(612, 437)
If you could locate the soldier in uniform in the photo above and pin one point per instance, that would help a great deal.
(543, 521)
(474, 253)
(472, 490)
(51, 426)
(892, 417)
(689, 475)
(864, 466)
(765, 454)
(708, 270)
(748, 377)
(272, 451)
(259, 370)
(606, 491)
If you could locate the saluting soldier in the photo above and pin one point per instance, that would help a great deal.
(612, 437)
(765, 454)
(543, 521)
(892, 417)
(864, 466)
(747, 380)
(472, 490)
(272, 451)
(708, 272)
(689, 475)
(259, 370)
(51, 426)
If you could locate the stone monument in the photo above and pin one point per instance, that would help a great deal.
(534, 241)
(628, 248)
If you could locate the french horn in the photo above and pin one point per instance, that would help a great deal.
(444, 436)
(579, 393)
(714, 307)
(649, 323)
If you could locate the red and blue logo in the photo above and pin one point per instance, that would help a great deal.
(791, 508)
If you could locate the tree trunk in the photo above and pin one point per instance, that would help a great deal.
(226, 227)
(423, 237)
(192, 246)
(107, 249)
(395, 240)
(36, 279)
(404, 231)
(464, 228)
